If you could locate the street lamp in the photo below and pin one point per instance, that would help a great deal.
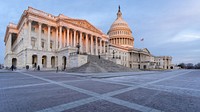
(78, 46)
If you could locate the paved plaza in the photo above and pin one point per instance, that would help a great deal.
(155, 91)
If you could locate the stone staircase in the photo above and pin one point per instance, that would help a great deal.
(96, 65)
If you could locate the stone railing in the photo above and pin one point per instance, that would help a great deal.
(41, 13)
(73, 54)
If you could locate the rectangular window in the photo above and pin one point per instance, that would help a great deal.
(33, 43)
(33, 29)
(42, 45)
(51, 45)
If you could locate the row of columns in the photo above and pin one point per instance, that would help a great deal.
(122, 41)
(65, 32)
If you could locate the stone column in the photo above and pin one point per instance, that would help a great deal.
(67, 36)
(64, 45)
(39, 60)
(59, 62)
(74, 38)
(56, 44)
(100, 52)
(104, 47)
(48, 38)
(60, 37)
(71, 42)
(29, 34)
(8, 44)
(48, 61)
(39, 36)
(81, 43)
(96, 45)
(86, 37)
(56, 61)
(92, 44)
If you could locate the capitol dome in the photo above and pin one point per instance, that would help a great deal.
(120, 33)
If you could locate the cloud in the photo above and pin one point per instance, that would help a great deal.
(186, 58)
(171, 30)
(185, 37)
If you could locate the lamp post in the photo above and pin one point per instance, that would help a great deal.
(78, 46)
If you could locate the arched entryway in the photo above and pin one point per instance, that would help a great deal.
(145, 66)
(53, 61)
(14, 62)
(44, 61)
(34, 60)
(64, 62)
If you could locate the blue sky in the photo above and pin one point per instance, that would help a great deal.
(169, 27)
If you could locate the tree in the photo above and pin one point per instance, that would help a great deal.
(190, 66)
(182, 65)
(197, 66)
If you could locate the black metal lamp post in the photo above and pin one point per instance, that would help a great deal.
(78, 46)
(113, 54)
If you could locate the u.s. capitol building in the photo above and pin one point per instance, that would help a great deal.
(51, 41)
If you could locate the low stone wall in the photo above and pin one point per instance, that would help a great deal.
(77, 60)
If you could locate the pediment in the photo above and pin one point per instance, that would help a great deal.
(84, 24)
(146, 50)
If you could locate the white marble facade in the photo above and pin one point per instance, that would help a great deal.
(47, 40)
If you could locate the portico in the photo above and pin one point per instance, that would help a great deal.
(53, 36)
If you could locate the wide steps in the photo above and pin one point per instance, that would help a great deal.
(96, 65)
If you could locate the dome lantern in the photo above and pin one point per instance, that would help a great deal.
(119, 14)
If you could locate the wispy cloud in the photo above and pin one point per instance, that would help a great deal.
(174, 29)
(185, 37)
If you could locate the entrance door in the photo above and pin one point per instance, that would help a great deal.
(44, 61)
(14, 62)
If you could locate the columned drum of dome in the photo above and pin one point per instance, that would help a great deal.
(120, 33)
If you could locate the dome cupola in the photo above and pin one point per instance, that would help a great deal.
(120, 33)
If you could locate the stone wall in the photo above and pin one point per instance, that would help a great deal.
(77, 60)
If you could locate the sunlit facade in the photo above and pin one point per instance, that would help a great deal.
(46, 40)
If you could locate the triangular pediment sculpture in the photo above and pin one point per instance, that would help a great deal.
(84, 24)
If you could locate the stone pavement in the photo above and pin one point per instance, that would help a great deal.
(173, 91)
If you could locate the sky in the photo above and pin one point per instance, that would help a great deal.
(169, 27)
